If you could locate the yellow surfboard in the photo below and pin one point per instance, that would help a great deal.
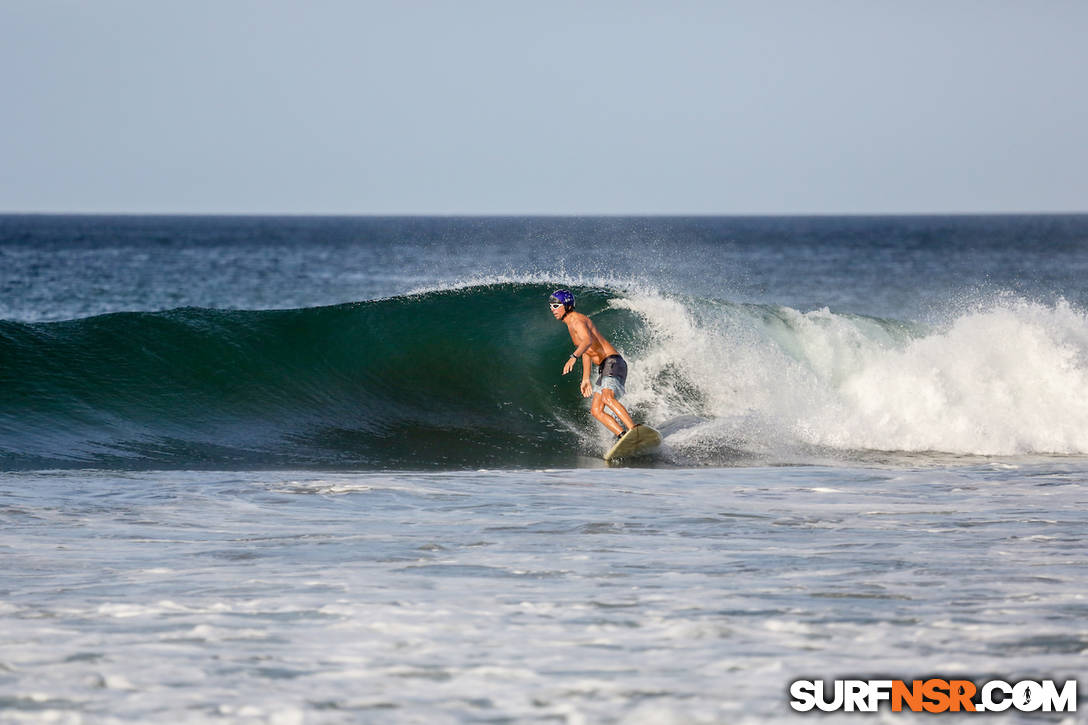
(641, 440)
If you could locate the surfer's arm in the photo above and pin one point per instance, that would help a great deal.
(583, 341)
(586, 387)
(575, 357)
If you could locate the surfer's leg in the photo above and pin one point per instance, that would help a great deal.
(608, 398)
(597, 409)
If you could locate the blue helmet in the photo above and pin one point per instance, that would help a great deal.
(564, 297)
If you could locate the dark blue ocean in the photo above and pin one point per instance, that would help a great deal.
(327, 470)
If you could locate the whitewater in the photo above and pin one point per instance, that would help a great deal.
(1006, 378)
(291, 470)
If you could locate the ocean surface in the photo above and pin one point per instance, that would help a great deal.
(327, 470)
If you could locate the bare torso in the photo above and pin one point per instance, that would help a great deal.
(582, 330)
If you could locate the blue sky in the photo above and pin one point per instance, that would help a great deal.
(555, 108)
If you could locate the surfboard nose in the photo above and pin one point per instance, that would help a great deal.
(642, 440)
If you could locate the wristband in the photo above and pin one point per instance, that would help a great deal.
(573, 356)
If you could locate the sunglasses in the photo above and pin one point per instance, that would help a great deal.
(555, 305)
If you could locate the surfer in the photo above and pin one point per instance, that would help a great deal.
(591, 347)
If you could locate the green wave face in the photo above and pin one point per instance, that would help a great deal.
(464, 377)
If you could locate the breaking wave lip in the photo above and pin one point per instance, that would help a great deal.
(615, 284)
(467, 375)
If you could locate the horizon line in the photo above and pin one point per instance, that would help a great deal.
(542, 215)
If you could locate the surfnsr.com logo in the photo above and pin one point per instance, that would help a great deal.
(933, 695)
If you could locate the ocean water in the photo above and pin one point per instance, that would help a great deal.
(295, 470)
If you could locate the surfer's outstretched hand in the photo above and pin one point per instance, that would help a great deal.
(586, 388)
(569, 366)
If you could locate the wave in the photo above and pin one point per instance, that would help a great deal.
(1005, 378)
(469, 376)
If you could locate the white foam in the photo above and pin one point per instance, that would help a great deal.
(1007, 378)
